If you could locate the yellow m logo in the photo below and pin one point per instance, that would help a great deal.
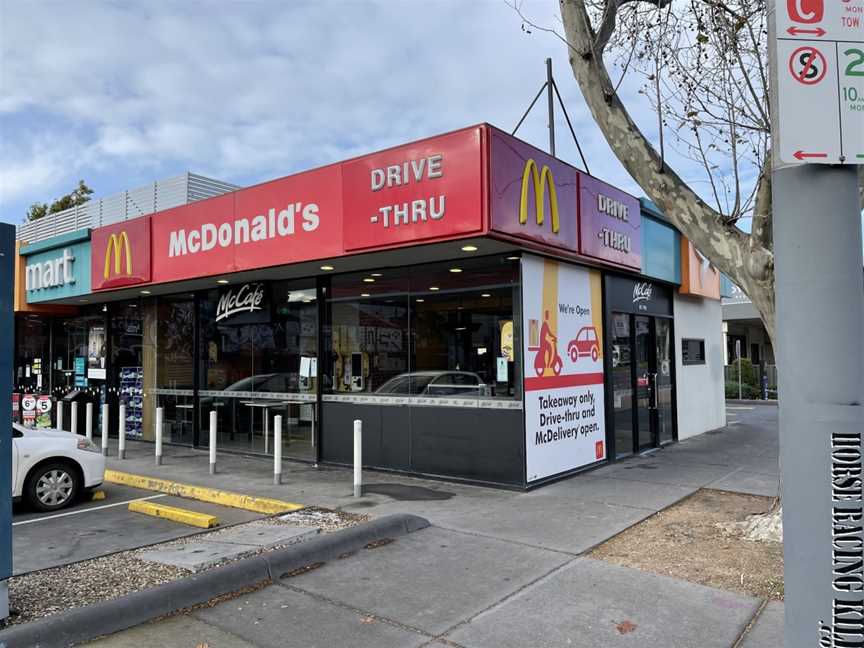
(114, 249)
(541, 180)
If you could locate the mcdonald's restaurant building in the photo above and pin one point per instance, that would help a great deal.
(490, 313)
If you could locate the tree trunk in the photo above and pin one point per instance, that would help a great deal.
(746, 259)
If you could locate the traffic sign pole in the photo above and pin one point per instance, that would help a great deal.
(820, 319)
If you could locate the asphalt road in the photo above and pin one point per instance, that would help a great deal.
(96, 528)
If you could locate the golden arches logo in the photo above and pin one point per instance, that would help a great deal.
(542, 180)
(117, 245)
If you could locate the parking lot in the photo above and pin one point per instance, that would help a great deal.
(99, 527)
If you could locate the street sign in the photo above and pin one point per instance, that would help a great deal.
(820, 81)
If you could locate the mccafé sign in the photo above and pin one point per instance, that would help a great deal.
(120, 254)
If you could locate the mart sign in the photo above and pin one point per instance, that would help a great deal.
(820, 81)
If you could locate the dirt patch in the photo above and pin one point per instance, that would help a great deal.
(697, 540)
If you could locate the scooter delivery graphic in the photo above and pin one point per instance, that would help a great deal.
(547, 356)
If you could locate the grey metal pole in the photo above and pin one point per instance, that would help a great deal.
(212, 446)
(820, 321)
(358, 458)
(160, 418)
(738, 360)
(277, 450)
(121, 431)
(550, 100)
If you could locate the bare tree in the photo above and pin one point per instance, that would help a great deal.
(702, 65)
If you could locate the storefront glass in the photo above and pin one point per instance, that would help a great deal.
(442, 330)
(427, 358)
(167, 367)
(258, 359)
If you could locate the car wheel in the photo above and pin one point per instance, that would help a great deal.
(594, 354)
(52, 486)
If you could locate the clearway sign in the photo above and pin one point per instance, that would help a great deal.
(820, 72)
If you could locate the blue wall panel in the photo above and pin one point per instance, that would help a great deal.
(661, 250)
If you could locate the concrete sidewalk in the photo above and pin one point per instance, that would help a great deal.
(499, 568)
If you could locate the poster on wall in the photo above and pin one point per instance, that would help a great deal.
(563, 355)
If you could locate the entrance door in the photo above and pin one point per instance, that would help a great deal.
(646, 368)
(642, 383)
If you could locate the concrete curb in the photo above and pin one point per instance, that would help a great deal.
(85, 623)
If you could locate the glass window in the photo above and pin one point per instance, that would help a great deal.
(128, 364)
(259, 359)
(367, 335)
(174, 321)
(622, 381)
(80, 348)
(32, 370)
(442, 329)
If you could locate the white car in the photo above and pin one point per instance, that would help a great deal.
(51, 468)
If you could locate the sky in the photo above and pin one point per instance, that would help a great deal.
(123, 93)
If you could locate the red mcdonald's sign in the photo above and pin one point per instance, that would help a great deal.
(120, 254)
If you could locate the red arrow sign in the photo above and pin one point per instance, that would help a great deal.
(801, 155)
(795, 31)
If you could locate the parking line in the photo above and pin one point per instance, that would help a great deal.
(86, 510)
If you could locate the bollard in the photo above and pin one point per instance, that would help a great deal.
(59, 414)
(73, 424)
(121, 432)
(277, 449)
(159, 414)
(88, 421)
(105, 429)
(213, 442)
(358, 458)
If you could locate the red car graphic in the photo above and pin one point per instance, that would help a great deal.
(585, 344)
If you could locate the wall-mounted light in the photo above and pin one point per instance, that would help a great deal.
(327, 268)
(455, 269)
(222, 281)
(469, 248)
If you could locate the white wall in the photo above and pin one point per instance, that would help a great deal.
(700, 393)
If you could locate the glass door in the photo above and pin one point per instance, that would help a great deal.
(663, 380)
(622, 384)
(645, 362)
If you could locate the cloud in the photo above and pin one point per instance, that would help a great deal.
(249, 91)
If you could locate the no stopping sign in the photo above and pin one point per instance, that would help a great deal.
(808, 65)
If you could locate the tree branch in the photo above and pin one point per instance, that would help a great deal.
(761, 232)
(721, 242)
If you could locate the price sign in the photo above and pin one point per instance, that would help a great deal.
(820, 81)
